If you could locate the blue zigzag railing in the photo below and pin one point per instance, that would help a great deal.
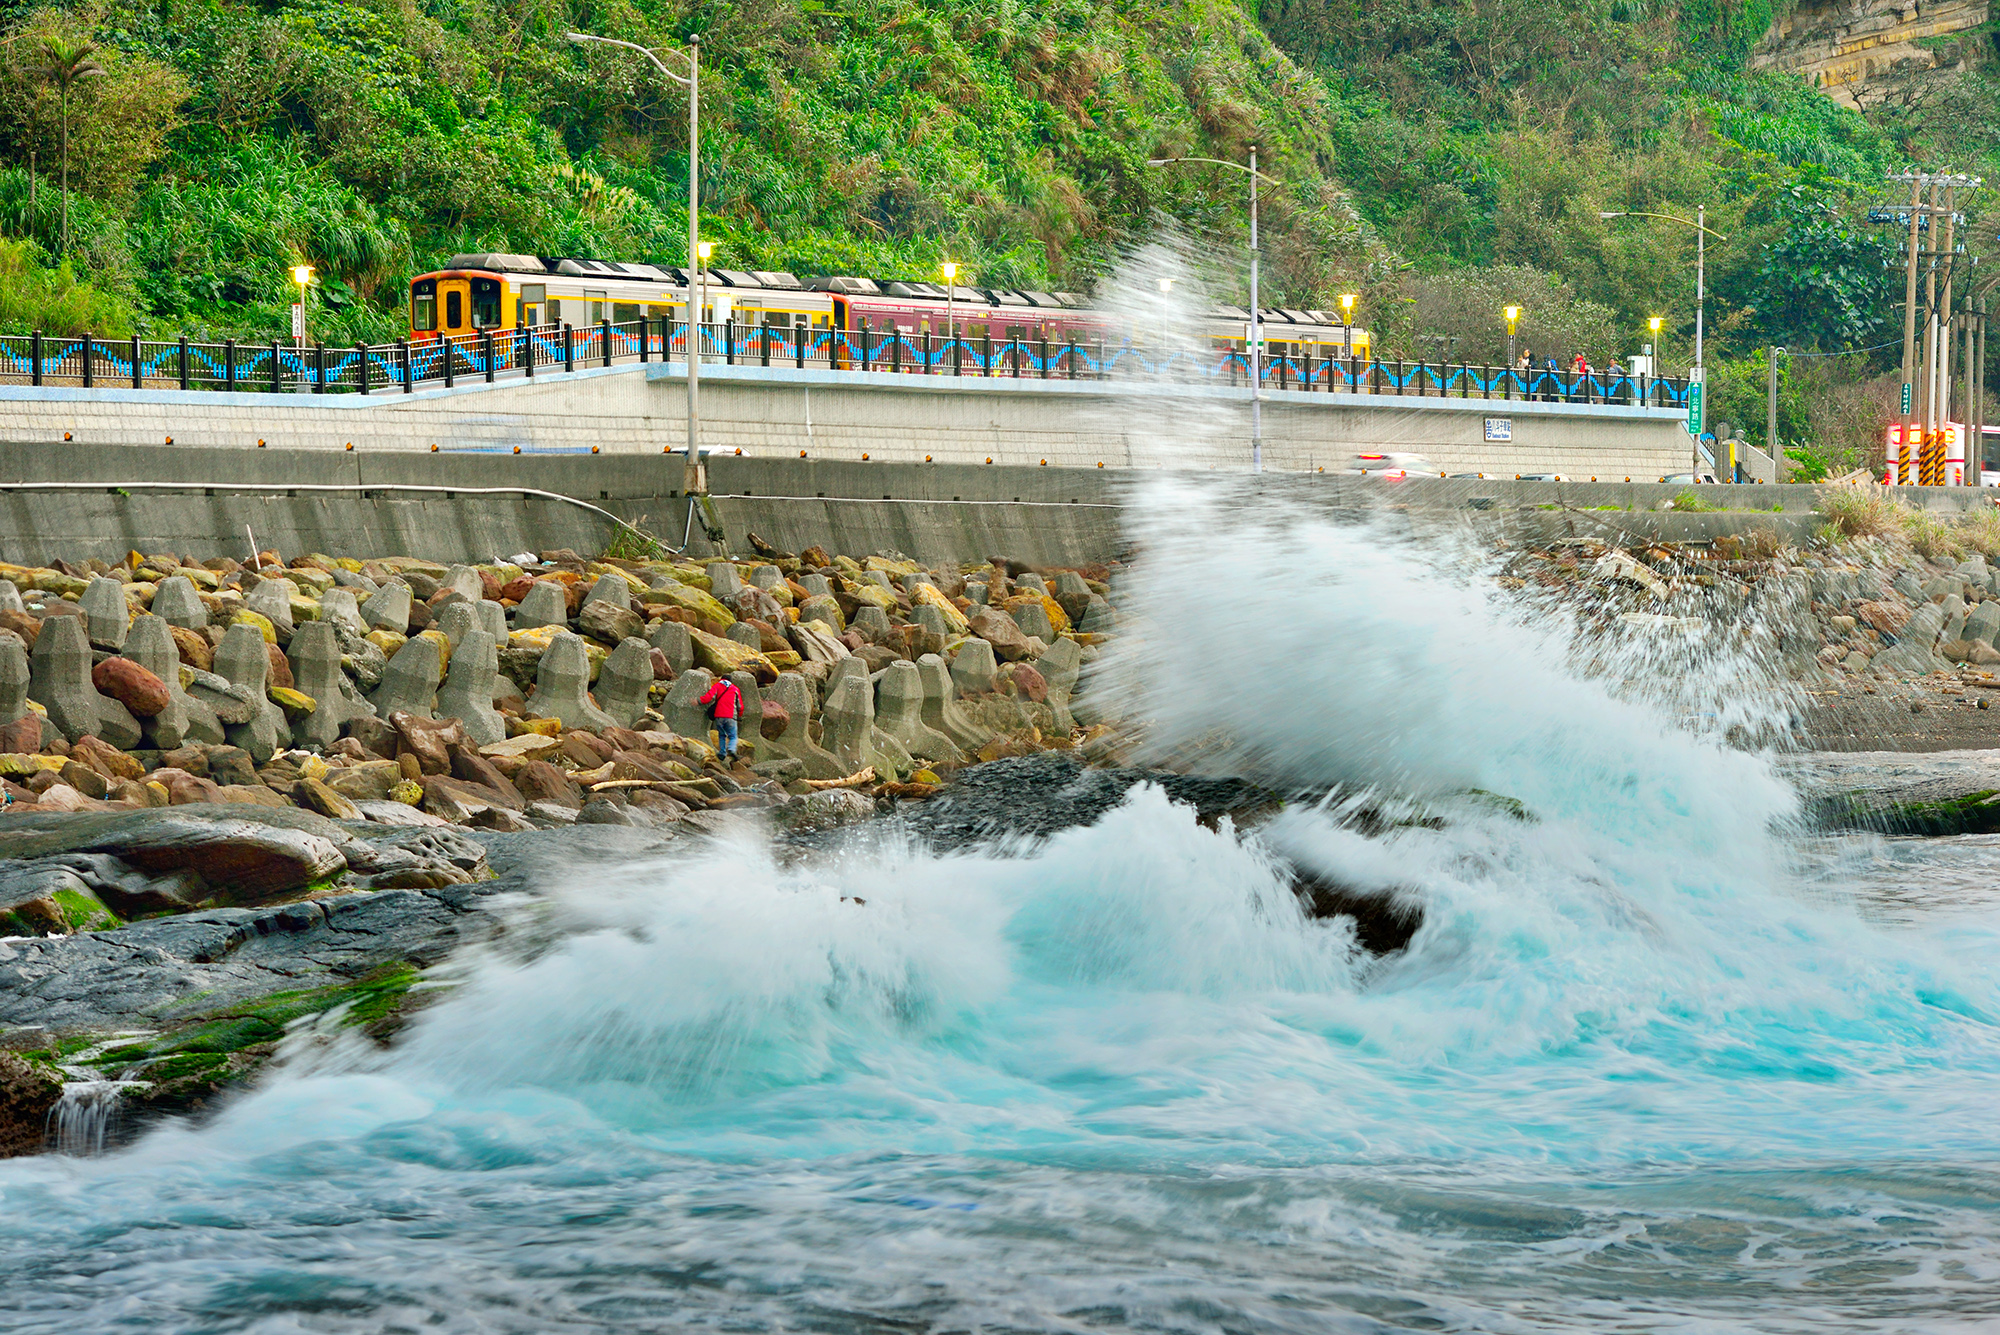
(406, 365)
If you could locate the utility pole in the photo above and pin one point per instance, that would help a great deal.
(1900, 463)
(1771, 441)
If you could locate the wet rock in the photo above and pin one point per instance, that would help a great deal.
(28, 1095)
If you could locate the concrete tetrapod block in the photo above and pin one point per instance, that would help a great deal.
(59, 680)
(315, 659)
(10, 597)
(14, 678)
(1984, 622)
(1033, 619)
(272, 600)
(410, 682)
(684, 715)
(544, 604)
(816, 586)
(975, 669)
(150, 644)
(562, 686)
(1059, 668)
(611, 589)
(242, 660)
(468, 689)
(458, 617)
(464, 581)
(749, 738)
(389, 609)
(723, 581)
(849, 731)
(673, 639)
(624, 680)
(941, 711)
(872, 622)
(493, 619)
(337, 607)
(899, 712)
(766, 577)
(177, 603)
(795, 693)
(1068, 581)
(105, 614)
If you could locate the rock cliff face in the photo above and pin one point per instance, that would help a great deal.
(1853, 47)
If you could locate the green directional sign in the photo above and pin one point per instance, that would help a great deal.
(1906, 398)
(1694, 409)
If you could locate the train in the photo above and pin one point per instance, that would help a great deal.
(476, 293)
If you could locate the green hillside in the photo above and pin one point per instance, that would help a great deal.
(1440, 159)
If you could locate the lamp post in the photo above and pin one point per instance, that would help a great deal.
(302, 274)
(691, 478)
(950, 271)
(1513, 320)
(1256, 331)
(1701, 234)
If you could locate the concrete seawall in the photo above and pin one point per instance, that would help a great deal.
(779, 412)
(934, 511)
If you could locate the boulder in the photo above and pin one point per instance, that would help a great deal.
(132, 686)
(609, 622)
(562, 681)
(723, 656)
(427, 740)
(539, 781)
(997, 628)
(184, 856)
(192, 647)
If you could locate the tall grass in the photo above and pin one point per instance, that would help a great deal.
(34, 295)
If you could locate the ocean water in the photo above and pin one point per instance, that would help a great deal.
(1658, 1059)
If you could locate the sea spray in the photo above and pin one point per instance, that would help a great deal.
(1630, 1070)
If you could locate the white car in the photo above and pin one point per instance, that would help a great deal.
(1395, 467)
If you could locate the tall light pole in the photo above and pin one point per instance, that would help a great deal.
(950, 271)
(1701, 234)
(302, 274)
(1256, 330)
(691, 477)
(1513, 320)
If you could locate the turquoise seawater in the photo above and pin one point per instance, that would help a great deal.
(1656, 1060)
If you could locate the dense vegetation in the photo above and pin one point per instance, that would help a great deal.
(1440, 158)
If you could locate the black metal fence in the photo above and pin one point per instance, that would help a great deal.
(406, 365)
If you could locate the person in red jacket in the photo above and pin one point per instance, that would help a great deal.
(724, 702)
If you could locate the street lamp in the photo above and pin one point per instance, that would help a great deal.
(691, 479)
(1700, 224)
(950, 271)
(302, 274)
(1256, 327)
(1513, 319)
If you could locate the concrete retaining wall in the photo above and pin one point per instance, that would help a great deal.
(776, 412)
(934, 511)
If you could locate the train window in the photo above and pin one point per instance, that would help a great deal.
(424, 304)
(485, 303)
(553, 311)
(454, 309)
(624, 312)
(597, 304)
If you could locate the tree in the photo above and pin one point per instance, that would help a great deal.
(1824, 283)
(65, 62)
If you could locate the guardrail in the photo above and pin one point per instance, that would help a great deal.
(402, 366)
